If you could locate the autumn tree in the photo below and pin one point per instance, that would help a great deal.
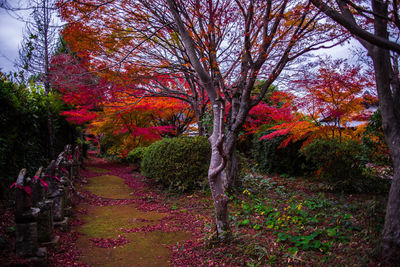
(376, 24)
(335, 92)
(126, 121)
(126, 42)
(127, 126)
(80, 88)
(267, 36)
(226, 47)
(276, 109)
(331, 97)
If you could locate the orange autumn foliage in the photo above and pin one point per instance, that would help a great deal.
(130, 124)
(332, 99)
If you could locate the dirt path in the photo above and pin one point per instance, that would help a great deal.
(123, 223)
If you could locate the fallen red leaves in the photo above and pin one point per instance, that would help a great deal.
(109, 242)
(190, 217)
(187, 219)
(67, 254)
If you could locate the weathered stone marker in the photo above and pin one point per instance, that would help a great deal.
(40, 191)
(43, 202)
(76, 162)
(63, 196)
(26, 243)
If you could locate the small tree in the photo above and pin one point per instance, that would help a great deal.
(332, 97)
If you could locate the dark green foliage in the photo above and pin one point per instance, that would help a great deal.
(373, 139)
(244, 144)
(341, 166)
(180, 163)
(135, 156)
(271, 159)
(85, 145)
(23, 135)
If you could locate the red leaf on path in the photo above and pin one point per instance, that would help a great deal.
(109, 242)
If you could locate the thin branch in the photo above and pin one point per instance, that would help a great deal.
(355, 29)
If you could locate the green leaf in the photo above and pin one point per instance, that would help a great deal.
(245, 222)
(257, 227)
(331, 232)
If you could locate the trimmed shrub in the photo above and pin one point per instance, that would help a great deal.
(135, 156)
(180, 164)
(340, 166)
(271, 159)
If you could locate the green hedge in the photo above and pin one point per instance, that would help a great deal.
(135, 156)
(180, 164)
(340, 165)
(271, 159)
(24, 134)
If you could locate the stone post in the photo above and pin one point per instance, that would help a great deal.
(59, 201)
(40, 191)
(26, 242)
(76, 162)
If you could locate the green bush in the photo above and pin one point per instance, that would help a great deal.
(340, 165)
(135, 156)
(180, 164)
(271, 159)
(24, 135)
(373, 139)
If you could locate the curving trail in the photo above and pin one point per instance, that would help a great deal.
(122, 222)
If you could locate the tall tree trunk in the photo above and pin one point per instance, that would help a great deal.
(232, 164)
(50, 130)
(391, 128)
(46, 25)
(199, 116)
(389, 106)
(222, 171)
(216, 175)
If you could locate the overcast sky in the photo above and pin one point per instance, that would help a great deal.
(11, 31)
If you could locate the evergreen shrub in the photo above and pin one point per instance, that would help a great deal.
(135, 156)
(271, 159)
(180, 163)
(340, 165)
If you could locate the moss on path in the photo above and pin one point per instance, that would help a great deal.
(97, 170)
(109, 186)
(108, 224)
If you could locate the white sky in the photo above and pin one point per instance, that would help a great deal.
(11, 34)
(10, 38)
